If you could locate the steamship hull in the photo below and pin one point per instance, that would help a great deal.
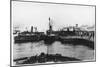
(22, 39)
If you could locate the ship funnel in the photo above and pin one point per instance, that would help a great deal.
(35, 29)
(31, 28)
(76, 25)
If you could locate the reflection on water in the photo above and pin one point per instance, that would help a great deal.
(28, 49)
(31, 49)
(80, 52)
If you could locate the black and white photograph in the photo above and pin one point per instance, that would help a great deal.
(52, 33)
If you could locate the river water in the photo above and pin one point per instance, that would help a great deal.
(31, 49)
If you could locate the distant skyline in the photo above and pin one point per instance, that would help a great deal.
(28, 14)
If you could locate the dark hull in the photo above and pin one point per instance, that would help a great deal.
(78, 41)
(74, 41)
(22, 39)
(50, 39)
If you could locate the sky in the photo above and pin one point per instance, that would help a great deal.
(26, 14)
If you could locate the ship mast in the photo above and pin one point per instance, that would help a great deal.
(50, 25)
(50, 31)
